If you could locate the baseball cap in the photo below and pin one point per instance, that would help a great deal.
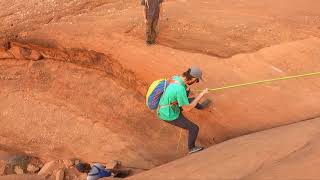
(196, 72)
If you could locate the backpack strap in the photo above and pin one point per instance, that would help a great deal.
(170, 81)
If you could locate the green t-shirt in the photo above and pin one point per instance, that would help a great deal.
(175, 92)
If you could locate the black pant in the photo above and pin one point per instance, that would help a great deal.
(184, 123)
(151, 29)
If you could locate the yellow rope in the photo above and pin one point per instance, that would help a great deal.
(254, 83)
(264, 81)
(179, 141)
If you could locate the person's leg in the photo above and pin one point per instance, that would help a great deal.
(193, 129)
(148, 26)
(154, 29)
(149, 31)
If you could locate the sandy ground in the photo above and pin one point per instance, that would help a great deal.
(269, 154)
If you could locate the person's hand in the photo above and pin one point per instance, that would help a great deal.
(205, 91)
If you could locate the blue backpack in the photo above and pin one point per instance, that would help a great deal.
(101, 172)
(155, 91)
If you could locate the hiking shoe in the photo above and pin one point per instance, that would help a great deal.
(195, 149)
(150, 42)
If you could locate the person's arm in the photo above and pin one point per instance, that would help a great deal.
(161, 10)
(145, 16)
(145, 6)
(195, 101)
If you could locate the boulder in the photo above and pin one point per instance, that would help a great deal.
(68, 163)
(18, 170)
(48, 168)
(32, 168)
(60, 174)
(2, 168)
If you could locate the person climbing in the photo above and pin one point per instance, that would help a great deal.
(98, 170)
(151, 10)
(175, 99)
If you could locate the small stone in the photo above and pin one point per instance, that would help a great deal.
(32, 168)
(36, 162)
(35, 56)
(77, 161)
(25, 52)
(113, 164)
(18, 170)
